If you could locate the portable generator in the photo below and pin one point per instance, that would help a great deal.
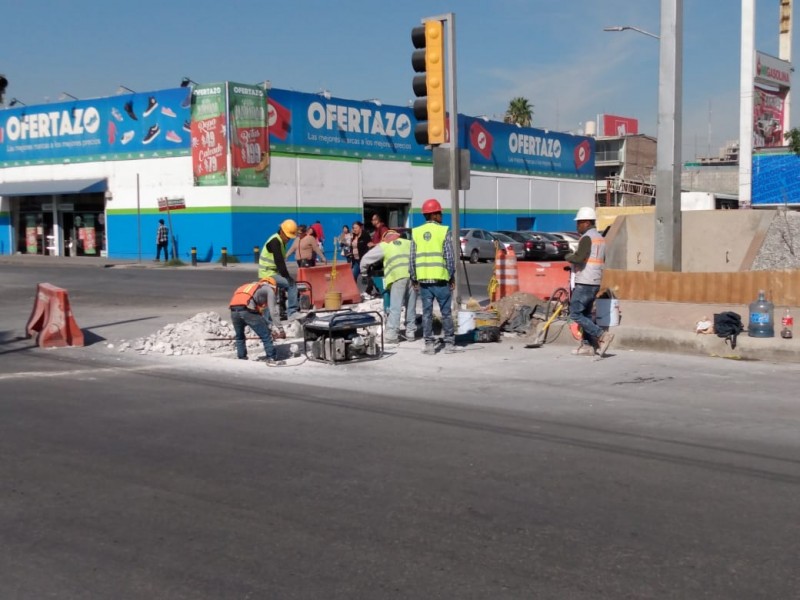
(343, 336)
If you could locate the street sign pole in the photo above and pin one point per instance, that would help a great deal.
(455, 228)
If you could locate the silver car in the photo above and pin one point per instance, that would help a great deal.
(477, 245)
(508, 242)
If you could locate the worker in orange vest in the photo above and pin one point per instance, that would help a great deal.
(249, 304)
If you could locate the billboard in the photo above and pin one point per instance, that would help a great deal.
(613, 125)
(768, 117)
(247, 110)
(130, 126)
(776, 179)
(209, 135)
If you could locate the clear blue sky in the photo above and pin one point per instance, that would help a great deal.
(553, 52)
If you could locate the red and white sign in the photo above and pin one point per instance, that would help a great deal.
(614, 125)
(171, 204)
(768, 109)
(773, 71)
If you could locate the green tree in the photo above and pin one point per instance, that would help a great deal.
(793, 135)
(520, 111)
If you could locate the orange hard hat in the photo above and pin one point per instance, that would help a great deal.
(390, 236)
(431, 206)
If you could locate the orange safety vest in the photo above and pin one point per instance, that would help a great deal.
(244, 296)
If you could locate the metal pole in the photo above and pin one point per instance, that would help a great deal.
(668, 235)
(785, 53)
(455, 211)
(746, 92)
(138, 219)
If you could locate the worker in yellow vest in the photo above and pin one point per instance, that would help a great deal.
(249, 304)
(432, 266)
(272, 263)
(396, 255)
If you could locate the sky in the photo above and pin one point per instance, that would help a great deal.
(552, 52)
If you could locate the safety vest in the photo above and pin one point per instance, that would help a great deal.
(396, 257)
(245, 296)
(266, 262)
(591, 272)
(429, 240)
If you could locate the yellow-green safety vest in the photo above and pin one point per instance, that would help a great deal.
(266, 262)
(396, 259)
(430, 264)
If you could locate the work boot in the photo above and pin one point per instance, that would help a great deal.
(274, 362)
(603, 343)
(430, 348)
(451, 349)
(584, 350)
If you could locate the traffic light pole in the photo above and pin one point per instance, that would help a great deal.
(449, 21)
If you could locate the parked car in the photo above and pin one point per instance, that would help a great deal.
(477, 245)
(556, 248)
(533, 244)
(509, 242)
(570, 237)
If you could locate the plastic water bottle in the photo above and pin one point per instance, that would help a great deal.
(762, 319)
(787, 323)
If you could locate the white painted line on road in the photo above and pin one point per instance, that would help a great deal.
(80, 372)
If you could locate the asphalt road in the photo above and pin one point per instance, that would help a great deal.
(650, 476)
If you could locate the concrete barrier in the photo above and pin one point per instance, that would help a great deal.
(51, 318)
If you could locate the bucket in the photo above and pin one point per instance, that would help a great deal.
(333, 300)
(466, 322)
(607, 312)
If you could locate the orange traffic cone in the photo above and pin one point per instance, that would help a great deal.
(506, 273)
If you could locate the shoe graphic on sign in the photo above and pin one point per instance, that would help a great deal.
(481, 139)
(583, 152)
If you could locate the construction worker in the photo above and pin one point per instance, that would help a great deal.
(588, 263)
(249, 308)
(396, 255)
(432, 270)
(272, 263)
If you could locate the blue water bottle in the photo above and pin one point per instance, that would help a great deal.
(762, 317)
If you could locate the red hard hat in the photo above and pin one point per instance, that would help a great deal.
(431, 206)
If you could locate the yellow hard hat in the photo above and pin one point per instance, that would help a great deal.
(289, 228)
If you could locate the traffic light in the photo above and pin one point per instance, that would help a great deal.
(428, 59)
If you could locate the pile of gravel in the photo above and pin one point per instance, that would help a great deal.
(781, 247)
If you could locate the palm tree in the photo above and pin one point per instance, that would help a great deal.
(520, 111)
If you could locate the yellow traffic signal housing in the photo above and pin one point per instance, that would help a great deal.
(429, 108)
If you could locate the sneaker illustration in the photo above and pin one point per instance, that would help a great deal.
(116, 114)
(152, 134)
(174, 137)
(127, 136)
(152, 104)
(128, 107)
(187, 100)
(187, 126)
(167, 112)
(262, 166)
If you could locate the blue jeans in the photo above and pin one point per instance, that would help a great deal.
(241, 318)
(444, 296)
(291, 292)
(356, 267)
(401, 293)
(580, 311)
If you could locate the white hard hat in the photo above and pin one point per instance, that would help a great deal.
(586, 214)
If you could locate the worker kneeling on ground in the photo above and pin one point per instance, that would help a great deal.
(272, 263)
(588, 263)
(396, 255)
(249, 308)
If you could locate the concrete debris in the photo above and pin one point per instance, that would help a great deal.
(781, 247)
(207, 333)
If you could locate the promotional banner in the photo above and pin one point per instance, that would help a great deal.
(130, 126)
(209, 135)
(313, 124)
(613, 125)
(507, 148)
(249, 145)
(768, 118)
(776, 179)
